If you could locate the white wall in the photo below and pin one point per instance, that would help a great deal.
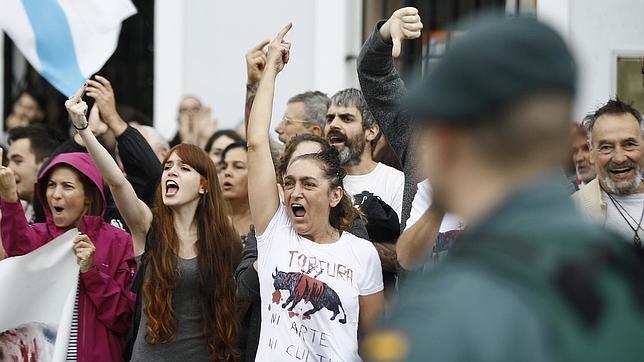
(596, 29)
(200, 47)
(168, 63)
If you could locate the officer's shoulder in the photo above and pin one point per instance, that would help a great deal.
(462, 285)
(474, 293)
(468, 303)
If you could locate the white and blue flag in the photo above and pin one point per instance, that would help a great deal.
(65, 40)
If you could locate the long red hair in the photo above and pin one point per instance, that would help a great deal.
(218, 253)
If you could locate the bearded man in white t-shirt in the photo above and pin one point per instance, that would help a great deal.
(353, 131)
(615, 198)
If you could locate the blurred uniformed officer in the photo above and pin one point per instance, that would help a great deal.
(529, 280)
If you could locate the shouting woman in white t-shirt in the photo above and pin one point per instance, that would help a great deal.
(318, 282)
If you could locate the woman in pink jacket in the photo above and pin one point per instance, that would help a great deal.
(71, 191)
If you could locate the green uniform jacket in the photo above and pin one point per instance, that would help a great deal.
(523, 286)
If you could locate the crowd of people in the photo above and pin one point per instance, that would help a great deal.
(469, 218)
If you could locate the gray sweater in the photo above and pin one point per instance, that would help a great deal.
(384, 91)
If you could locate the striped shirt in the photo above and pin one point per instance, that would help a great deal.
(72, 347)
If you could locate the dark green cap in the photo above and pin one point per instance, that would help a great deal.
(497, 61)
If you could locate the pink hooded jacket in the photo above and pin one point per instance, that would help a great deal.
(105, 300)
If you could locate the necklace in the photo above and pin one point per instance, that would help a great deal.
(631, 217)
(638, 225)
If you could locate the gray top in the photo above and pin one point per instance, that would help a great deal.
(189, 344)
(384, 91)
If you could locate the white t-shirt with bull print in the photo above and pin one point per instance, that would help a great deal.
(310, 293)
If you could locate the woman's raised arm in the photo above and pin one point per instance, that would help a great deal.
(135, 212)
(262, 182)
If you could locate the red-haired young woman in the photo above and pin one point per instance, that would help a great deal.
(188, 294)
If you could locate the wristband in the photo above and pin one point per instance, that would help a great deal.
(80, 129)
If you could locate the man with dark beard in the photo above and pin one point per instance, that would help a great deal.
(352, 130)
(615, 198)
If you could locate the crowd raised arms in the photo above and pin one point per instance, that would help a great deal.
(228, 245)
(136, 213)
(262, 184)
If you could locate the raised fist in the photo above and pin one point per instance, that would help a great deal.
(404, 23)
(102, 92)
(84, 250)
(255, 62)
(8, 189)
(203, 126)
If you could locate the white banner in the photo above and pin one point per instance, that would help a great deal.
(37, 295)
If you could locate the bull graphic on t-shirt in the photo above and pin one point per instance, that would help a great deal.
(306, 288)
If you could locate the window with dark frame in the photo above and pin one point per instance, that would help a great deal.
(437, 16)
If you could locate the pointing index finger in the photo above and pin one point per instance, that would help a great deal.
(79, 93)
(280, 36)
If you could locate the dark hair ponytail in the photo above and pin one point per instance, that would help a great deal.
(343, 215)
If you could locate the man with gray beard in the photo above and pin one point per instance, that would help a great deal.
(615, 198)
(353, 131)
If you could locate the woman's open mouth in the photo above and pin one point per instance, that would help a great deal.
(298, 210)
(171, 188)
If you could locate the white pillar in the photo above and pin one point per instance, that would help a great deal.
(354, 40)
(337, 36)
(169, 61)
